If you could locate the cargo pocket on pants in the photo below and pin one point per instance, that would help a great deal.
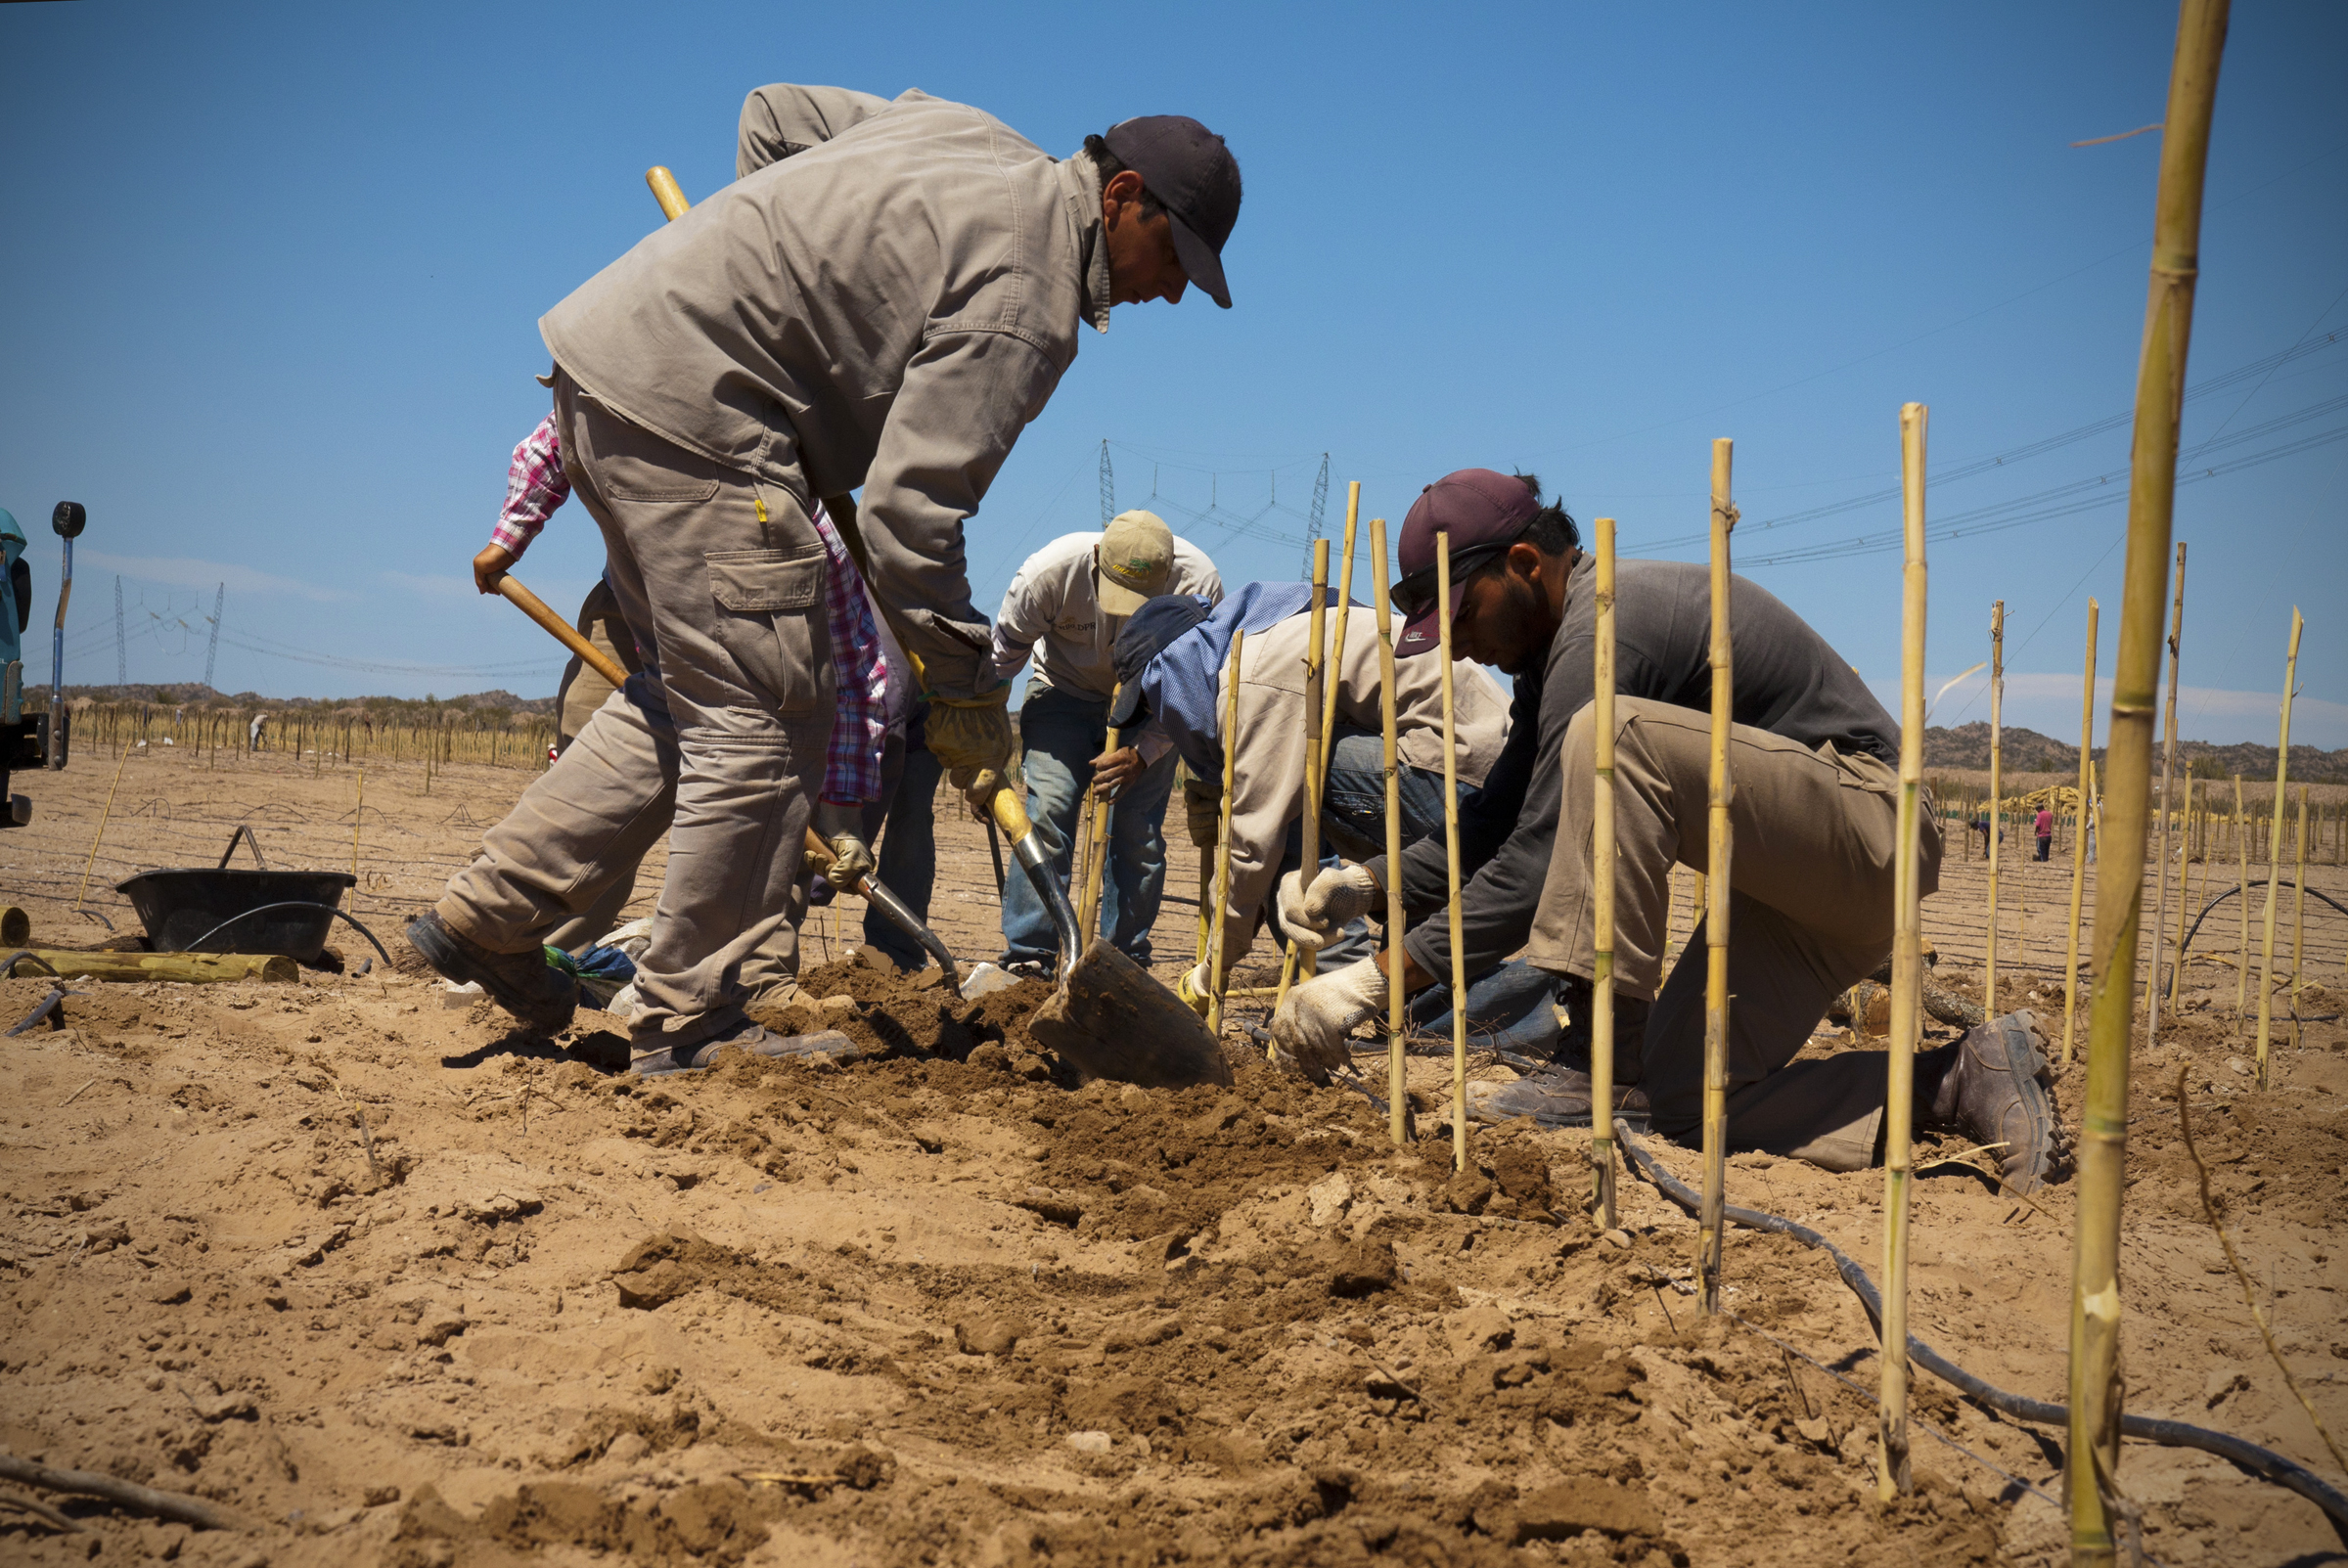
(769, 604)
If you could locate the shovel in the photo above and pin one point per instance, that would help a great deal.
(880, 897)
(1109, 1016)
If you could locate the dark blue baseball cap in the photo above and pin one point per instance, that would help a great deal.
(1149, 632)
(1196, 179)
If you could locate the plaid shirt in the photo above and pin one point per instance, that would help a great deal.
(535, 486)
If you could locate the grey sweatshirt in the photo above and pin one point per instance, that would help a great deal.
(1787, 681)
(888, 306)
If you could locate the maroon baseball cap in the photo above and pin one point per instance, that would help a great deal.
(1484, 513)
(1196, 179)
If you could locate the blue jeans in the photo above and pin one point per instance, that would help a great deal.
(1061, 734)
(1355, 800)
(908, 843)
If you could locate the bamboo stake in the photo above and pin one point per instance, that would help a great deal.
(1217, 975)
(1997, 795)
(100, 835)
(2242, 909)
(1601, 878)
(358, 812)
(1716, 887)
(1396, 963)
(2299, 907)
(2086, 761)
(1906, 968)
(2168, 768)
(2093, 1454)
(1450, 854)
(1337, 643)
(2185, 898)
(2283, 773)
(1309, 862)
(1096, 849)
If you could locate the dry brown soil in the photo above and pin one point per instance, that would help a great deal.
(400, 1286)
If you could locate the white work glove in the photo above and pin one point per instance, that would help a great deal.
(1196, 987)
(1313, 915)
(1308, 1032)
(842, 828)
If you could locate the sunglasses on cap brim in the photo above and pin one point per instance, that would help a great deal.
(1415, 595)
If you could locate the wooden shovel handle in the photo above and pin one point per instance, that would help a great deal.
(673, 204)
(567, 634)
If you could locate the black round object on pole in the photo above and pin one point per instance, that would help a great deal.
(69, 519)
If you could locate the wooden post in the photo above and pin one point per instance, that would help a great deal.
(1315, 739)
(1997, 795)
(2283, 773)
(2093, 1454)
(1602, 882)
(1892, 1473)
(2242, 909)
(1397, 1090)
(1451, 855)
(1716, 886)
(1218, 972)
(2087, 747)
(2168, 770)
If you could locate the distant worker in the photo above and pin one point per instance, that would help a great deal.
(1174, 657)
(2046, 831)
(1814, 759)
(1066, 605)
(886, 302)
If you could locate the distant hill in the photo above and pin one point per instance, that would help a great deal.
(2027, 752)
(194, 694)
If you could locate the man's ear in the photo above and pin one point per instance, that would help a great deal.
(1525, 561)
(1122, 188)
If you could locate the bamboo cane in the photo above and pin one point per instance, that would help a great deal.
(1080, 861)
(1336, 642)
(1096, 849)
(1716, 886)
(2299, 903)
(2242, 909)
(1396, 962)
(1907, 968)
(357, 812)
(2168, 768)
(2093, 1453)
(2087, 745)
(1451, 856)
(1601, 881)
(100, 835)
(1997, 795)
(1309, 862)
(2283, 773)
(2185, 896)
(1217, 975)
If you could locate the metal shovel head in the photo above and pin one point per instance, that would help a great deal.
(1113, 1020)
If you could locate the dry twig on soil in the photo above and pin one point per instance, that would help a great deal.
(176, 1507)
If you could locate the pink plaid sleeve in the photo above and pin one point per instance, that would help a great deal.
(534, 488)
(859, 714)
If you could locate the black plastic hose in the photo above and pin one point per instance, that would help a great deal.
(2262, 1462)
(289, 904)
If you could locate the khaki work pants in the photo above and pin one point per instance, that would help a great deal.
(1810, 912)
(719, 740)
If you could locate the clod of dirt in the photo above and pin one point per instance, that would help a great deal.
(1362, 1269)
(986, 1336)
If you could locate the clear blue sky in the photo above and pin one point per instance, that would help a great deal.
(273, 275)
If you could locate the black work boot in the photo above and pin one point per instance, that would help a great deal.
(1630, 1030)
(1994, 1091)
(539, 996)
(1552, 1096)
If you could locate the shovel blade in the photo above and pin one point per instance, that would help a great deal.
(1113, 1020)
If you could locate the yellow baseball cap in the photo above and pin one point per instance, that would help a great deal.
(1134, 561)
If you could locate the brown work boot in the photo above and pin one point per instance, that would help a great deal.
(539, 996)
(754, 1037)
(1995, 1093)
(1554, 1096)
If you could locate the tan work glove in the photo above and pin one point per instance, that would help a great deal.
(1202, 808)
(971, 733)
(1313, 914)
(842, 828)
(1308, 1032)
(1196, 987)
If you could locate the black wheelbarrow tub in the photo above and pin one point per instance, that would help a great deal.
(183, 909)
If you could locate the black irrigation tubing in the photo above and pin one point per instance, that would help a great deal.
(2281, 883)
(8, 965)
(288, 904)
(2262, 1462)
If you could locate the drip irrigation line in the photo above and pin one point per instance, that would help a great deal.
(2281, 883)
(289, 904)
(2262, 1462)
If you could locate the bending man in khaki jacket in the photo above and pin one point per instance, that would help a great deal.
(887, 305)
(1174, 659)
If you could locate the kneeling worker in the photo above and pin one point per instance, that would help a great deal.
(1814, 758)
(1066, 605)
(1174, 658)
